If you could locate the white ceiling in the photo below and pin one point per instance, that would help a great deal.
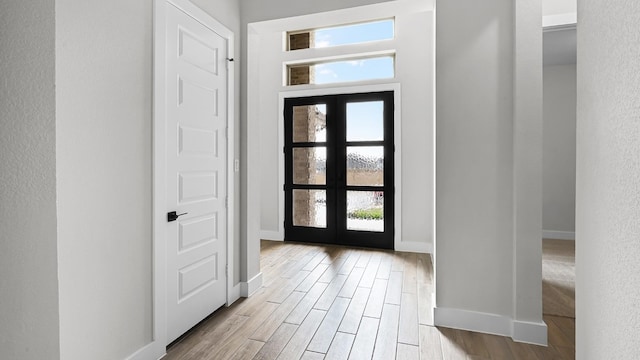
(559, 45)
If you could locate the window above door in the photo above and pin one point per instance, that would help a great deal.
(340, 53)
(349, 34)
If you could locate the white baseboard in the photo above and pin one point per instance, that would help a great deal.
(559, 235)
(271, 235)
(151, 351)
(414, 247)
(531, 333)
(526, 332)
(250, 287)
(472, 321)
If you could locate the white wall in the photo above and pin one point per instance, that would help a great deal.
(608, 181)
(104, 76)
(559, 150)
(488, 167)
(28, 255)
(414, 71)
(474, 97)
(259, 10)
(104, 102)
(556, 7)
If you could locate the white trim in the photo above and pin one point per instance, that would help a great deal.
(158, 344)
(558, 235)
(472, 321)
(397, 140)
(520, 331)
(529, 332)
(250, 287)
(271, 235)
(234, 294)
(414, 247)
(557, 21)
(231, 167)
(344, 53)
(147, 352)
(157, 348)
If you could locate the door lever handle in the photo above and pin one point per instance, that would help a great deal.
(172, 216)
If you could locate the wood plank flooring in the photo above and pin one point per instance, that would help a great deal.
(330, 302)
(558, 277)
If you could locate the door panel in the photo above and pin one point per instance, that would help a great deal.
(339, 169)
(196, 172)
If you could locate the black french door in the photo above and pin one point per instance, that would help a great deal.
(339, 183)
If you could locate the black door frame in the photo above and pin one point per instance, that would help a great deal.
(336, 231)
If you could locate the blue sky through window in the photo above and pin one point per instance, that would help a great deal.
(354, 70)
(365, 122)
(360, 69)
(353, 34)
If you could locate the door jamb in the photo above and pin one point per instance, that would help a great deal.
(157, 347)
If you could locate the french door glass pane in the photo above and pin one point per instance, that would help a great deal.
(310, 123)
(365, 165)
(365, 121)
(365, 210)
(310, 208)
(310, 165)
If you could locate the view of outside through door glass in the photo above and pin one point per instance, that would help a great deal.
(364, 166)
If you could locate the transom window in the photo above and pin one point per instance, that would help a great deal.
(345, 68)
(342, 71)
(341, 35)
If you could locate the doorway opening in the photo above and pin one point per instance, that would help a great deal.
(339, 169)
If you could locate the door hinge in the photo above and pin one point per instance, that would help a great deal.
(226, 132)
(226, 270)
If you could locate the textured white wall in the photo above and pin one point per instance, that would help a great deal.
(28, 255)
(608, 181)
(559, 147)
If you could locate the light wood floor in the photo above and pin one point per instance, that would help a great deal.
(558, 277)
(327, 302)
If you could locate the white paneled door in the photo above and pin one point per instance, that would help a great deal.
(196, 98)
